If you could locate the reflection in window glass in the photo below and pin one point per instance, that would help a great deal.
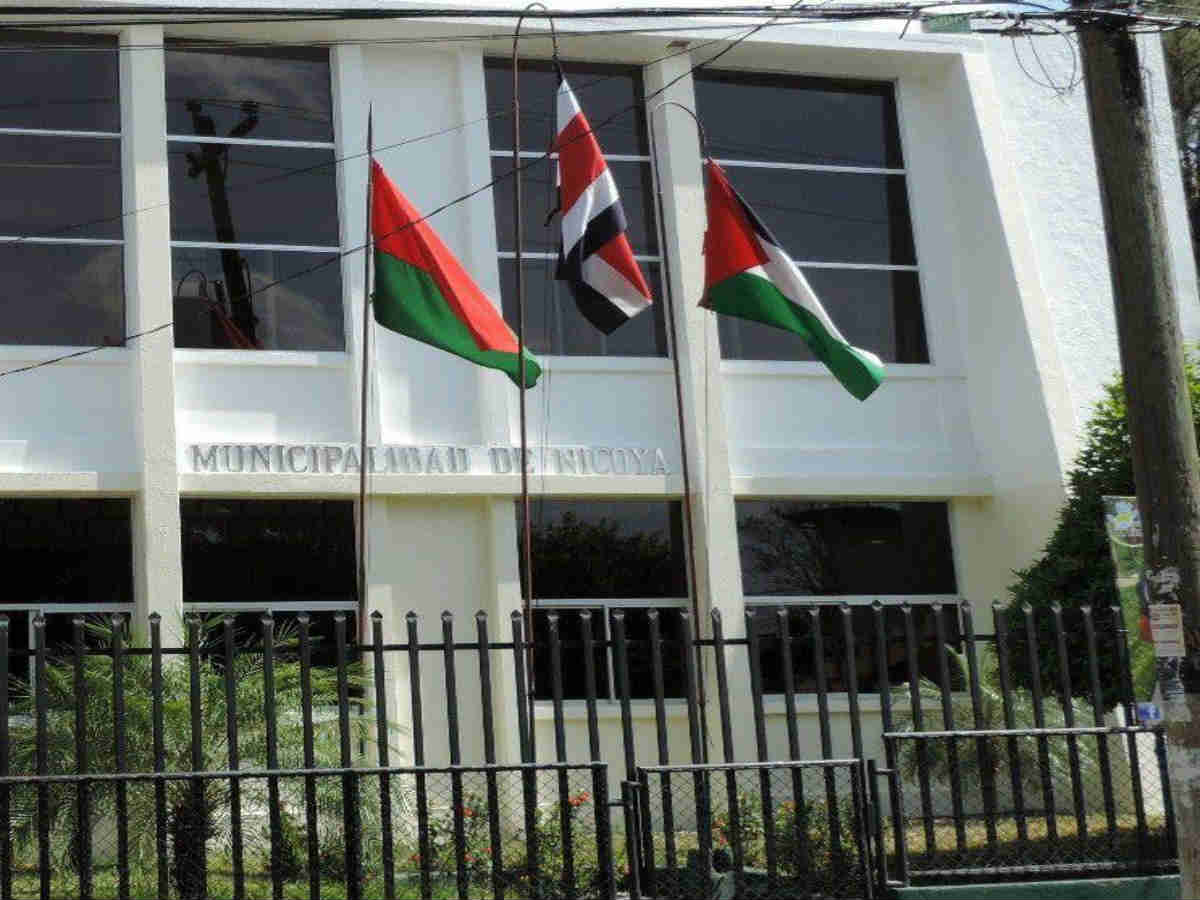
(248, 633)
(272, 195)
(56, 86)
(277, 201)
(288, 89)
(866, 661)
(70, 294)
(641, 667)
(268, 551)
(554, 324)
(604, 549)
(282, 310)
(826, 548)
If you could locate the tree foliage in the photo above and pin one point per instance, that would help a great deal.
(1076, 567)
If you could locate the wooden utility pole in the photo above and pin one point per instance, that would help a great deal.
(1166, 469)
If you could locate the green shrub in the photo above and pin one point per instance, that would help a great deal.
(1076, 567)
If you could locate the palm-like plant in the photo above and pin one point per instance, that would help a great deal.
(1000, 752)
(193, 815)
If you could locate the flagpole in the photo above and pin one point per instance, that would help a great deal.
(526, 525)
(366, 350)
(685, 468)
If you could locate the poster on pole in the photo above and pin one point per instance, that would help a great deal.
(1123, 525)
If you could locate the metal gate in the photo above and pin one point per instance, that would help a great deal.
(769, 830)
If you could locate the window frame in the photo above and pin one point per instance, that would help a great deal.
(252, 246)
(653, 259)
(57, 240)
(782, 79)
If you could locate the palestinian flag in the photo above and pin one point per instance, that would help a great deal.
(422, 291)
(594, 256)
(747, 274)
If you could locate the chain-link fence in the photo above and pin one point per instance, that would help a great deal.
(1037, 801)
(470, 832)
(777, 830)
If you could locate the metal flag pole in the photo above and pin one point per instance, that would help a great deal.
(685, 468)
(366, 350)
(526, 527)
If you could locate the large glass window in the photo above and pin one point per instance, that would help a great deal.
(810, 556)
(63, 558)
(819, 161)
(553, 324)
(248, 557)
(603, 556)
(60, 176)
(254, 224)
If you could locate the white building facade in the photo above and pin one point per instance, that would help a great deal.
(943, 204)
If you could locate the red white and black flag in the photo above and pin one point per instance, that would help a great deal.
(594, 255)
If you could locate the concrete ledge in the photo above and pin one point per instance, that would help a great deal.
(1151, 887)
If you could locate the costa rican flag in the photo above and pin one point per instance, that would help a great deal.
(594, 256)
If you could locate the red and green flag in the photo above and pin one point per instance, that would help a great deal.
(423, 292)
(747, 274)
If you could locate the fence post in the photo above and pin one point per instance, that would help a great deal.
(43, 789)
(889, 747)
(1068, 707)
(983, 750)
(660, 725)
(731, 792)
(456, 786)
(560, 752)
(350, 814)
(528, 776)
(918, 724)
(83, 823)
(414, 688)
(700, 778)
(1014, 757)
(1110, 805)
(1135, 765)
(489, 752)
(160, 754)
(1039, 719)
(629, 800)
(800, 826)
(760, 737)
(382, 754)
(310, 781)
(275, 824)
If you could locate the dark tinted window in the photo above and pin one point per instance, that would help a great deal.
(58, 186)
(63, 81)
(799, 120)
(603, 549)
(802, 624)
(70, 294)
(287, 88)
(248, 632)
(268, 551)
(610, 97)
(294, 301)
(66, 551)
(804, 548)
(640, 654)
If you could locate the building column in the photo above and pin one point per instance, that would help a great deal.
(695, 346)
(157, 562)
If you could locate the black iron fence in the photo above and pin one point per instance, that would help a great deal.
(252, 764)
